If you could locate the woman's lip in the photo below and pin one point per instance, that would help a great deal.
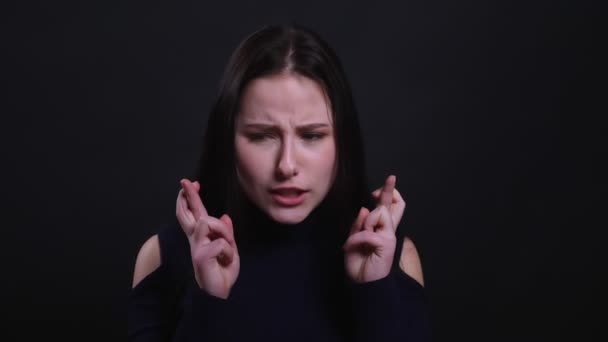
(287, 189)
(288, 201)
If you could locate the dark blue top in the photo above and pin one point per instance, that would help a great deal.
(291, 287)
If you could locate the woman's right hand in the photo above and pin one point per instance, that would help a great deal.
(215, 257)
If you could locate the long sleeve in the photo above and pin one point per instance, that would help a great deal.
(154, 311)
(150, 308)
(394, 308)
(204, 315)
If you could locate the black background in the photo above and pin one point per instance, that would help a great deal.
(484, 110)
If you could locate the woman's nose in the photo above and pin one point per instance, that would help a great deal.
(287, 166)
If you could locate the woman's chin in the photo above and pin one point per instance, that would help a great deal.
(288, 215)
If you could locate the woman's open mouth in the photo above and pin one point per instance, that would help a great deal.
(288, 197)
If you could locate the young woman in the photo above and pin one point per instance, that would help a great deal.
(278, 238)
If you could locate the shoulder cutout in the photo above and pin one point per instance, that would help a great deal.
(148, 259)
(410, 261)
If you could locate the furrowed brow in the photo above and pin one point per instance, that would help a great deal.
(260, 126)
(314, 126)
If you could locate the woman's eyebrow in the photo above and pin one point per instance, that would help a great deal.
(262, 126)
(313, 126)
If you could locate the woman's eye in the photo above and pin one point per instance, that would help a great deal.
(259, 136)
(313, 136)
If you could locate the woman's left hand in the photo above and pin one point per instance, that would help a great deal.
(370, 248)
(394, 202)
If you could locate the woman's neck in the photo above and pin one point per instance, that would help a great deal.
(257, 230)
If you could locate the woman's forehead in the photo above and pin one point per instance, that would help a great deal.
(284, 98)
(297, 118)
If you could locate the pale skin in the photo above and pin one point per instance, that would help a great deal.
(220, 263)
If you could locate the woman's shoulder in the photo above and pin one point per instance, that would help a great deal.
(148, 259)
(168, 247)
(409, 260)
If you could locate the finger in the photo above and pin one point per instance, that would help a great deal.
(197, 186)
(386, 195)
(358, 224)
(379, 220)
(195, 204)
(371, 221)
(220, 250)
(201, 230)
(228, 222)
(397, 208)
(396, 195)
(219, 229)
(361, 239)
(184, 216)
(376, 193)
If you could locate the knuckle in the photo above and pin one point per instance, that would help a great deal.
(222, 243)
(366, 235)
(213, 222)
(202, 222)
(198, 255)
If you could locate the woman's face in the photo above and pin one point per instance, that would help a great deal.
(285, 147)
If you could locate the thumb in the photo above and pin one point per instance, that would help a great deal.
(228, 222)
(358, 224)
